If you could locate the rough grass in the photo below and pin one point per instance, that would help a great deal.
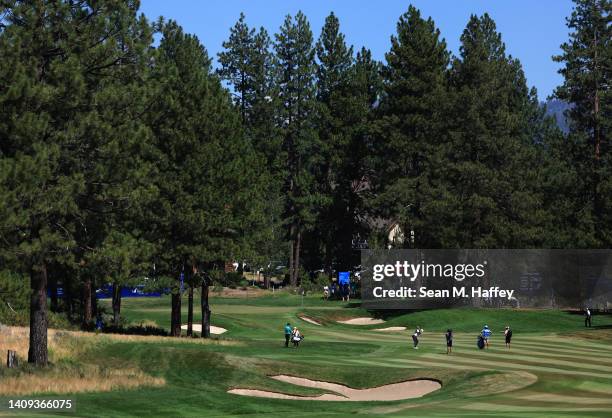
(69, 344)
(66, 374)
(16, 339)
(68, 378)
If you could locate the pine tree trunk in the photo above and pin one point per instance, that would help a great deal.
(175, 320)
(205, 310)
(291, 253)
(38, 353)
(116, 305)
(86, 299)
(190, 312)
(94, 303)
(68, 297)
(596, 130)
(296, 259)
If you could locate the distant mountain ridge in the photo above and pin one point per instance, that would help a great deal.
(557, 108)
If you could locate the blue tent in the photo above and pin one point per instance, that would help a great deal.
(344, 277)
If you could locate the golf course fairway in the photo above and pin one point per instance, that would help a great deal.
(555, 366)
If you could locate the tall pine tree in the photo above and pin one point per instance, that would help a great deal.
(247, 64)
(587, 67)
(334, 62)
(296, 89)
(346, 92)
(492, 167)
(410, 133)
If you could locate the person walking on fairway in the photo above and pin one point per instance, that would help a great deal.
(508, 335)
(415, 337)
(587, 318)
(486, 334)
(296, 337)
(449, 341)
(287, 334)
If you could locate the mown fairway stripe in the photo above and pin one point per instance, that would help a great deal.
(485, 406)
(569, 349)
(506, 365)
(553, 397)
(584, 341)
(584, 357)
(361, 362)
(423, 363)
(515, 357)
(556, 344)
(339, 336)
(594, 387)
(575, 352)
(326, 360)
(546, 353)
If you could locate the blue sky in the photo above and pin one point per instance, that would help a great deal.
(531, 29)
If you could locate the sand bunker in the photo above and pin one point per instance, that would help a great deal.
(213, 329)
(309, 320)
(393, 392)
(362, 321)
(390, 329)
(276, 395)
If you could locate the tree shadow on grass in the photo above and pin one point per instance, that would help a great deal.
(136, 330)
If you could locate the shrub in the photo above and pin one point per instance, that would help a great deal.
(314, 283)
(136, 330)
(231, 280)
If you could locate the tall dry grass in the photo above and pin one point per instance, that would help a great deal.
(89, 378)
(16, 339)
(67, 374)
(63, 344)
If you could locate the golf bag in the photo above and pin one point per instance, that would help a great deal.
(481, 342)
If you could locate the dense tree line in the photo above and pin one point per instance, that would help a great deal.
(122, 157)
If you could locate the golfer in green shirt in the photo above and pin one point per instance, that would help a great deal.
(288, 331)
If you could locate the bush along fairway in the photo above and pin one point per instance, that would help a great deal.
(554, 367)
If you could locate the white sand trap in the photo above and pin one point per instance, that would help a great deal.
(309, 320)
(213, 329)
(362, 321)
(277, 395)
(393, 392)
(390, 329)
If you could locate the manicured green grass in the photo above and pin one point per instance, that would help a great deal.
(473, 319)
(554, 368)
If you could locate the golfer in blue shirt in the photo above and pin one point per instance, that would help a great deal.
(486, 334)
